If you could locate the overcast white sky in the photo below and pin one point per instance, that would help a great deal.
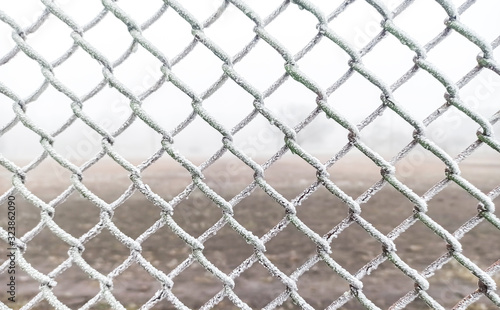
(423, 20)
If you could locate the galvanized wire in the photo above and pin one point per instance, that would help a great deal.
(453, 250)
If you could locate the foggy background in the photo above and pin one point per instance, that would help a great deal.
(292, 102)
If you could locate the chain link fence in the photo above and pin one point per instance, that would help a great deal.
(24, 37)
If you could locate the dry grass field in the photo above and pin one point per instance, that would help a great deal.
(322, 211)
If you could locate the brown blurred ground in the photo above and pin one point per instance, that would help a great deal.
(290, 249)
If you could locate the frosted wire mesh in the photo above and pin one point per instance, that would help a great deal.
(292, 70)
